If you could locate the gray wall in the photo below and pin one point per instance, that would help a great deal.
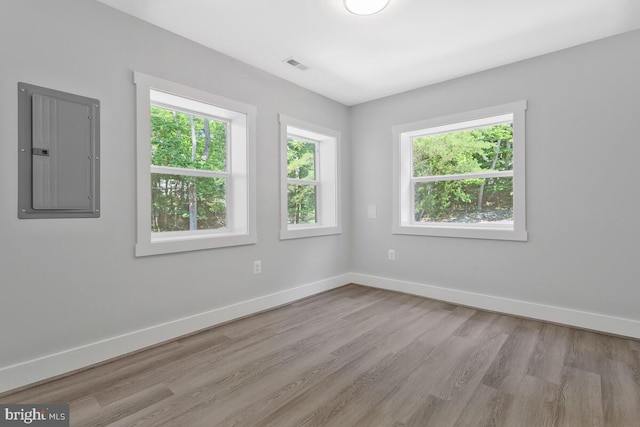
(583, 157)
(65, 283)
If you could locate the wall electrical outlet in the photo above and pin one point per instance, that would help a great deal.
(257, 267)
(392, 255)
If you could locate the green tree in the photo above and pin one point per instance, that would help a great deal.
(181, 202)
(460, 152)
(301, 164)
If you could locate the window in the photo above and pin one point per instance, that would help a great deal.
(462, 175)
(195, 157)
(309, 175)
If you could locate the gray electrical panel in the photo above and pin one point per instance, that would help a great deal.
(59, 154)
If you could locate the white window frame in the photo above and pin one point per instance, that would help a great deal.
(327, 178)
(240, 170)
(404, 183)
(316, 182)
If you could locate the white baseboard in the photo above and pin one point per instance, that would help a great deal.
(52, 365)
(565, 316)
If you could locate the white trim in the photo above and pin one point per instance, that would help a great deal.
(183, 91)
(204, 173)
(293, 181)
(470, 231)
(301, 231)
(52, 365)
(463, 176)
(403, 181)
(464, 117)
(241, 161)
(548, 313)
(327, 179)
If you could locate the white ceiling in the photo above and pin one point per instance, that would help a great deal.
(410, 44)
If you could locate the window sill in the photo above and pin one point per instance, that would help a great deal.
(463, 231)
(170, 245)
(308, 231)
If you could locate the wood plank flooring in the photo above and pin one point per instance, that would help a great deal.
(361, 357)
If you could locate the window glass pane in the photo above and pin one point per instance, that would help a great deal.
(465, 151)
(301, 159)
(302, 204)
(187, 140)
(465, 201)
(183, 203)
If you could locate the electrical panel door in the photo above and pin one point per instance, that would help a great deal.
(59, 154)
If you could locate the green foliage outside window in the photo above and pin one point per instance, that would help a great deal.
(182, 202)
(469, 151)
(301, 164)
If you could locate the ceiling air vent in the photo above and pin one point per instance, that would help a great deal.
(295, 63)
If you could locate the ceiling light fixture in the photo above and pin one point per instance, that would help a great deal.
(365, 7)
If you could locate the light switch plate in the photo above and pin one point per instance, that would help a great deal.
(372, 212)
